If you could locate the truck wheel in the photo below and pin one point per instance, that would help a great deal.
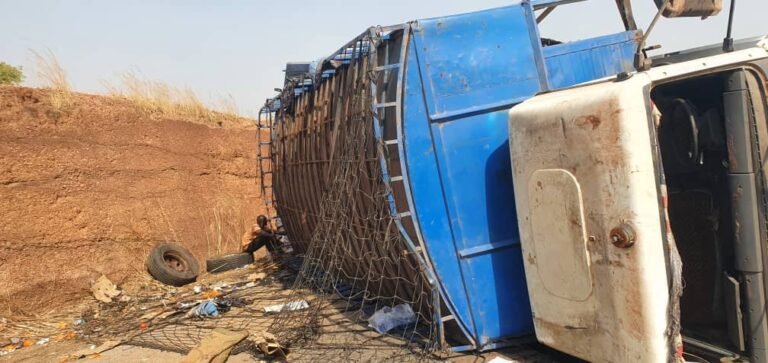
(172, 264)
(228, 262)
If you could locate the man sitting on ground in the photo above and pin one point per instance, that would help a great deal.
(261, 235)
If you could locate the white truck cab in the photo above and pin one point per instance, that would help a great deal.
(642, 204)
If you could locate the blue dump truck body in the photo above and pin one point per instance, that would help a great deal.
(442, 115)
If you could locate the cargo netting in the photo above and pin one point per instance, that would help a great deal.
(356, 260)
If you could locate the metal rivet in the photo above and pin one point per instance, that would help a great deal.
(623, 236)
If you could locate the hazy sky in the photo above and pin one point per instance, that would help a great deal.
(238, 48)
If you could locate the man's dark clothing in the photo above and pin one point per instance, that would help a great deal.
(264, 238)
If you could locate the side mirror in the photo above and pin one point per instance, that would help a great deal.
(690, 8)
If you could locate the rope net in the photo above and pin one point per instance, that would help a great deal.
(357, 260)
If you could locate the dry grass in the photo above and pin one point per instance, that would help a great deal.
(52, 76)
(160, 98)
(155, 97)
(210, 231)
(225, 225)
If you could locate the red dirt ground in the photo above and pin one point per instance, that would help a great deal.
(87, 190)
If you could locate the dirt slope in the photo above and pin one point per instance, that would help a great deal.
(86, 190)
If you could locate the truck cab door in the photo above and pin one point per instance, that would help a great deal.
(592, 222)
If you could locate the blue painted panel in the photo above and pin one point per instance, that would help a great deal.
(479, 60)
(475, 166)
(428, 195)
(586, 60)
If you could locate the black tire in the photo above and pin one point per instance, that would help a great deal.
(172, 264)
(228, 262)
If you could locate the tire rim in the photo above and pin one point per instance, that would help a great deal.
(175, 262)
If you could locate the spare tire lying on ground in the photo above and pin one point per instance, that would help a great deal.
(228, 262)
(172, 264)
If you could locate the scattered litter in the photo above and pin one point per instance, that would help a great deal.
(197, 289)
(15, 340)
(104, 290)
(212, 308)
(290, 306)
(93, 351)
(220, 286)
(386, 318)
(70, 335)
(231, 302)
(216, 347)
(7, 349)
(268, 344)
(206, 309)
(43, 341)
(78, 322)
(223, 304)
(143, 325)
(256, 276)
(210, 294)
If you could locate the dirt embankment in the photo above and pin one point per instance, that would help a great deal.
(87, 190)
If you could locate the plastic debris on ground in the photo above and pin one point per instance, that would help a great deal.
(70, 335)
(104, 290)
(268, 344)
(219, 286)
(210, 294)
(160, 317)
(212, 308)
(11, 347)
(19, 343)
(256, 276)
(206, 309)
(386, 318)
(216, 347)
(289, 306)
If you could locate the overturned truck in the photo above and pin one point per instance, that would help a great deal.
(506, 185)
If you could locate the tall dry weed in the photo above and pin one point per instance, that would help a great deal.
(169, 101)
(225, 224)
(213, 230)
(52, 76)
